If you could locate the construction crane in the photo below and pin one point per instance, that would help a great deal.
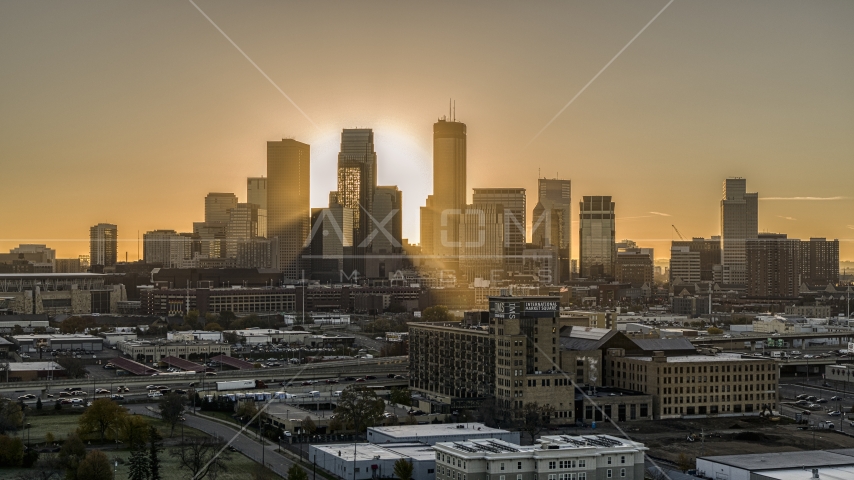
(677, 232)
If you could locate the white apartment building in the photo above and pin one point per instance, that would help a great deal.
(558, 457)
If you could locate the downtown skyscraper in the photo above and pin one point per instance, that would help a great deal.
(357, 184)
(739, 223)
(597, 237)
(288, 208)
(552, 221)
(440, 218)
(103, 244)
(510, 203)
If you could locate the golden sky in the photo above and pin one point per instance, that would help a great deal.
(131, 112)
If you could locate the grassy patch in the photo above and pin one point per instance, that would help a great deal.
(226, 417)
(61, 425)
(238, 466)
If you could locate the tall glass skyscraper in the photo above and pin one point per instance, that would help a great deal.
(103, 244)
(514, 208)
(597, 237)
(554, 200)
(448, 201)
(288, 210)
(357, 183)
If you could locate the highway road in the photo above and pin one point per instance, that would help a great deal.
(379, 367)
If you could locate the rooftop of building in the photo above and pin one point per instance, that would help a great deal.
(459, 326)
(54, 336)
(720, 357)
(786, 460)
(10, 276)
(547, 443)
(349, 452)
(428, 430)
(34, 366)
(169, 343)
(838, 473)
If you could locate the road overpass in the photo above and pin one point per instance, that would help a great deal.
(747, 341)
(379, 367)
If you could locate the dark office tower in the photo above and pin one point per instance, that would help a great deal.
(388, 204)
(820, 261)
(739, 223)
(512, 200)
(288, 210)
(428, 218)
(710, 254)
(773, 265)
(103, 244)
(357, 180)
(449, 186)
(386, 239)
(597, 238)
(555, 198)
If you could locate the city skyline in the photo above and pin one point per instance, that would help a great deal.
(700, 107)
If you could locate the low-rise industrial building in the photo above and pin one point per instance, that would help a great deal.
(32, 371)
(587, 457)
(320, 318)
(190, 335)
(32, 343)
(365, 461)
(435, 433)
(27, 323)
(111, 339)
(798, 465)
(839, 373)
(146, 351)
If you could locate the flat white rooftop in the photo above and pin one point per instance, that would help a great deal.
(34, 366)
(361, 451)
(829, 473)
(406, 431)
(721, 357)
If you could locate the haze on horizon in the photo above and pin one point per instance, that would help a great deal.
(130, 113)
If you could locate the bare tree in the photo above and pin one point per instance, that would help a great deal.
(171, 409)
(204, 457)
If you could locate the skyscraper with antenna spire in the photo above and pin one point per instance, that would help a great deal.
(442, 214)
